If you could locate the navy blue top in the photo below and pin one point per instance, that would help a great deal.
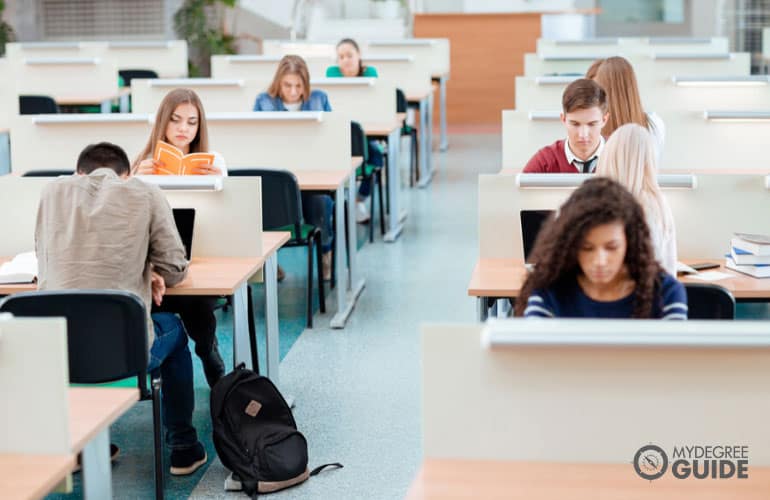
(317, 101)
(568, 300)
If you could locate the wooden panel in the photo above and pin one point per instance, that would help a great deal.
(487, 55)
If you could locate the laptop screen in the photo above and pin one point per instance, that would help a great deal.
(185, 222)
(531, 222)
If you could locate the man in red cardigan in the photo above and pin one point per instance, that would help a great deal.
(584, 113)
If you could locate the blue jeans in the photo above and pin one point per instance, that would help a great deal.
(170, 356)
(317, 210)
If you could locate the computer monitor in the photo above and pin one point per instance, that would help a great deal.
(185, 223)
(531, 222)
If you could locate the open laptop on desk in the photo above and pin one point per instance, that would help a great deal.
(531, 222)
(185, 222)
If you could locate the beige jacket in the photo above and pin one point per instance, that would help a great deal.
(99, 231)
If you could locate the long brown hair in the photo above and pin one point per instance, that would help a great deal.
(596, 202)
(352, 43)
(167, 107)
(290, 65)
(617, 77)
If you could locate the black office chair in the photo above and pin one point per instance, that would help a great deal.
(282, 211)
(708, 301)
(359, 146)
(47, 173)
(106, 339)
(37, 105)
(401, 107)
(129, 74)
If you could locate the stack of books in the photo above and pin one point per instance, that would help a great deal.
(750, 254)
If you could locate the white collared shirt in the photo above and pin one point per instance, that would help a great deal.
(571, 158)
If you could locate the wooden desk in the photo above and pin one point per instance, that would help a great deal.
(391, 133)
(92, 411)
(104, 100)
(333, 182)
(503, 278)
(487, 479)
(31, 477)
(228, 276)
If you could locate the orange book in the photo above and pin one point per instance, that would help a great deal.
(177, 163)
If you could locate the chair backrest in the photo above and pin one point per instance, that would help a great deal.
(401, 103)
(106, 331)
(281, 197)
(37, 105)
(129, 74)
(358, 146)
(709, 301)
(47, 173)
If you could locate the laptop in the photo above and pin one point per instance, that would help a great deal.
(185, 222)
(531, 222)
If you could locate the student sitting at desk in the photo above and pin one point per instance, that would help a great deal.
(616, 76)
(584, 114)
(121, 231)
(290, 91)
(349, 64)
(629, 157)
(181, 122)
(595, 260)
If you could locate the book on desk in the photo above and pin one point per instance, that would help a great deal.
(20, 269)
(749, 254)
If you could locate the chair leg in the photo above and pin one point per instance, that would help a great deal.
(319, 257)
(309, 294)
(156, 428)
(379, 175)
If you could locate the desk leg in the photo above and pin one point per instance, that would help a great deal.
(350, 287)
(272, 328)
(442, 98)
(106, 106)
(425, 146)
(97, 470)
(241, 345)
(124, 103)
(394, 187)
(482, 311)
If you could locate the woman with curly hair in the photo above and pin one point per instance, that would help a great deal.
(595, 260)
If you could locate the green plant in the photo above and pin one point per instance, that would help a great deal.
(202, 24)
(6, 30)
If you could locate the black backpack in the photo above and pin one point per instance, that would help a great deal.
(255, 434)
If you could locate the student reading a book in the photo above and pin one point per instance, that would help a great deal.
(595, 260)
(180, 124)
(103, 229)
(630, 158)
(616, 76)
(290, 91)
(349, 64)
(584, 114)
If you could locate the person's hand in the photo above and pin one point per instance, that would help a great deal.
(158, 287)
(148, 167)
(208, 170)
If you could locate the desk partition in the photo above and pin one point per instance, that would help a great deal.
(678, 92)
(217, 95)
(708, 207)
(239, 202)
(594, 391)
(737, 138)
(35, 416)
(365, 100)
(261, 69)
(609, 46)
(88, 78)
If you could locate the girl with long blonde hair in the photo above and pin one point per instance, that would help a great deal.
(629, 158)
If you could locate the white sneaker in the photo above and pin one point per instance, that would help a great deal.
(362, 212)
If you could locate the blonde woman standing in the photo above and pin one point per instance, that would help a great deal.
(629, 157)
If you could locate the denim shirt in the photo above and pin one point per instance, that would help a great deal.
(318, 101)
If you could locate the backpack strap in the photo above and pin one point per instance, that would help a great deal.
(251, 488)
(320, 468)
